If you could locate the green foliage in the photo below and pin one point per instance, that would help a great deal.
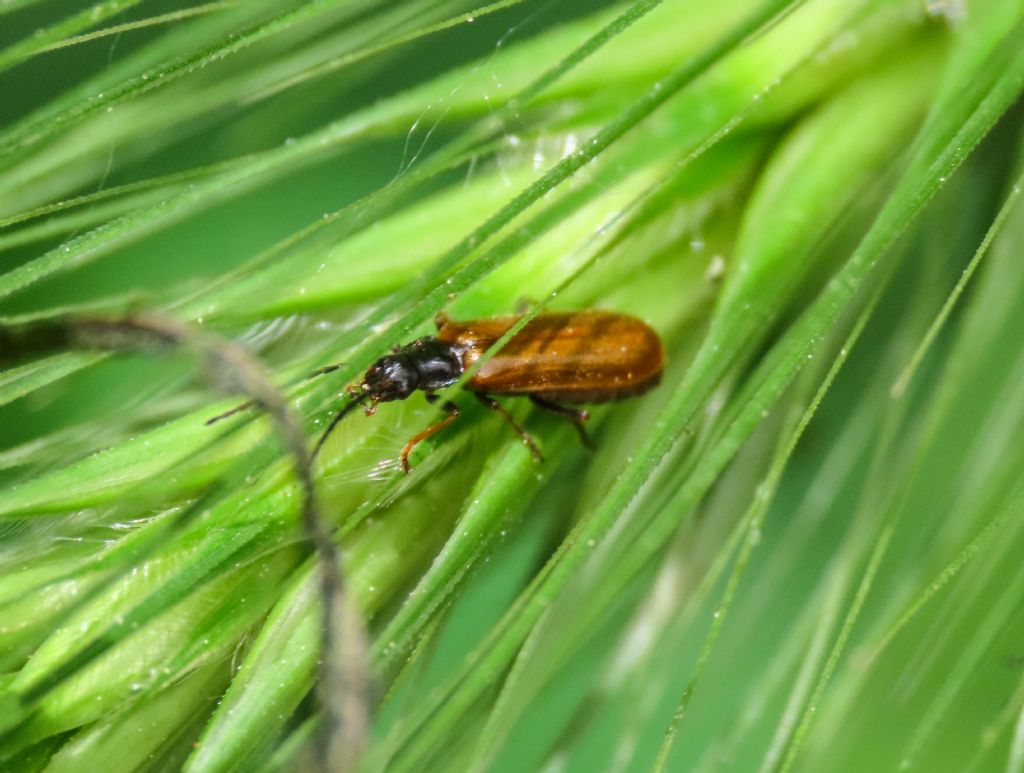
(799, 552)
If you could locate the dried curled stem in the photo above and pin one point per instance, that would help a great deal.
(344, 683)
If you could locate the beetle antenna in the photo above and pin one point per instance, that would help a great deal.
(249, 403)
(337, 420)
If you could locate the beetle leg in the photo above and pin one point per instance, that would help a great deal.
(453, 413)
(523, 305)
(576, 415)
(441, 319)
(494, 405)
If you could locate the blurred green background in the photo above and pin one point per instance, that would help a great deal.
(801, 552)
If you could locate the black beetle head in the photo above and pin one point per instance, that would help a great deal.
(393, 377)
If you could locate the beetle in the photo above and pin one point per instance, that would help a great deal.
(558, 357)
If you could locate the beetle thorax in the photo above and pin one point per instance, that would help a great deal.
(436, 363)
